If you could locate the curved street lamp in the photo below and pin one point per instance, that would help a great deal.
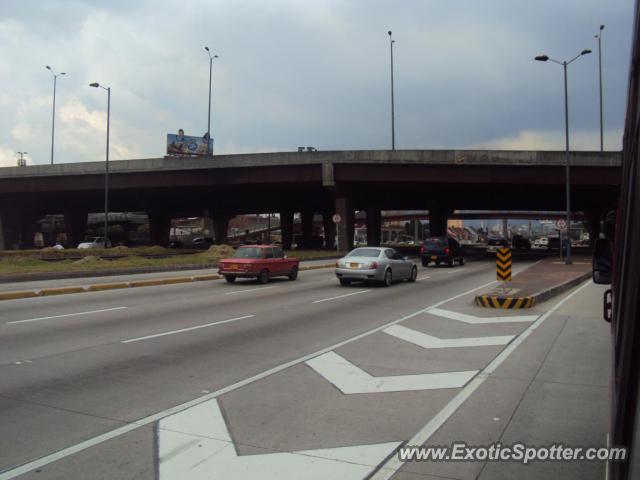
(53, 121)
(544, 58)
(210, 80)
(106, 168)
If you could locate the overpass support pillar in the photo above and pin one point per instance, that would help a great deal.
(329, 230)
(17, 229)
(286, 228)
(75, 225)
(593, 218)
(221, 228)
(438, 217)
(306, 217)
(28, 230)
(374, 224)
(9, 230)
(159, 227)
(344, 208)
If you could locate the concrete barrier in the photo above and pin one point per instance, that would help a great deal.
(171, 281)
(99, 287)
(154, 282)
(204, 278)
(107, 286)
(317, 267)
(18, 295)
(61, 291)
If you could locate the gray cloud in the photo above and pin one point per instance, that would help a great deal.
(306, 73)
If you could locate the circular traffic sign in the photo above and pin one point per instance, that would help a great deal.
(336, 218)
(561, 224)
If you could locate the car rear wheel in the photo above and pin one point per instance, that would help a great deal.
(294, 274)
(264, 276)
(461, 261)
(414, 274)
(388, 278)
(344, 282)
(230, 278)
(425, 263)
(450, 262)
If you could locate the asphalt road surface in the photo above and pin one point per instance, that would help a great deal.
(301, 379)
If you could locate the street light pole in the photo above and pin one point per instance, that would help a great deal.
(53, 121)
(599, 37)
(567, 168)
(106, 168)
(544, 58)
(393, 120)
(21, 161)
(210, 82)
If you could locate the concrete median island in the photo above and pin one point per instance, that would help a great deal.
(536, 284)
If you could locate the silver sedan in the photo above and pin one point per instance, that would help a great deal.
(376, 264)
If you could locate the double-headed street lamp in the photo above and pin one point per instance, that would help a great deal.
(210, 81)
(544, 58)
(53, 121)
(106, 168)
(599, 37)
(21, 161)
(393, 120)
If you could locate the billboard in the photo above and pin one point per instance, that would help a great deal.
(181, 144)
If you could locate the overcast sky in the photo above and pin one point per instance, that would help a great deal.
(307, 72)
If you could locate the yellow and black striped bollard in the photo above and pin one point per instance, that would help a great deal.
(503, 264)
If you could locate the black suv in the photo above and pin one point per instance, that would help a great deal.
(441, 250)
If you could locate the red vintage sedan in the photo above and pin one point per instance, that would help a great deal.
(258, 261)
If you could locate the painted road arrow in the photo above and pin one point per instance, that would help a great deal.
(462, 317)
(349, 378)
(195, 444)
(427, 341)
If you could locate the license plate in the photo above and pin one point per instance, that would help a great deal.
(233, 266)
(434, 258)
(354, 265)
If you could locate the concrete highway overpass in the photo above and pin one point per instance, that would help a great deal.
(326, 182)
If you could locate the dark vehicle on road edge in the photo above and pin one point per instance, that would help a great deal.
(520, 243)
(258, 261)
(441, 250)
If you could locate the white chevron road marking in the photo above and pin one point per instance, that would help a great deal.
(195, 444)
(349, 378)
(472, 319)
(427, 341)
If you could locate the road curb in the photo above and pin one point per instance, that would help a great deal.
(528, 301)
(99, 287)
(317, 267)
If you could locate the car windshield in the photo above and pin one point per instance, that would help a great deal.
(435, 243)
(364, 252)
(248, 252)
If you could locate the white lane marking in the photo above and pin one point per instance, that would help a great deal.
(349, 378)
(65, 315)
(139, 339)
(459, 270)
(427, 341)
(117, 432)
(249, 290)
(472, 319)
(423, 278)
(196, 442)
(341, 296)
(392, 465)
